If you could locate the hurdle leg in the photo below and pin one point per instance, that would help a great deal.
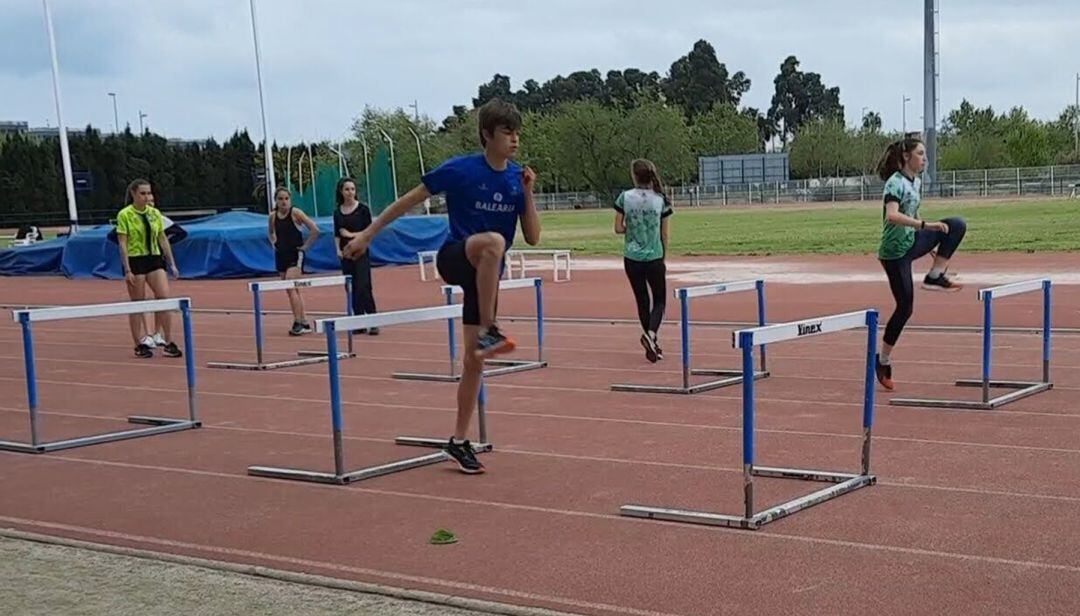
(1046, 332)
(748, 424)
(987, 347)
(684, 331)
(258, 324)
(31, 376)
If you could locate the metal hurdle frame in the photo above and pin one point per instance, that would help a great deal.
(734, 377)
(1022, 389)
(502, 366)
(305, 357)
(842, 482)
(159, 425)
(340, 476)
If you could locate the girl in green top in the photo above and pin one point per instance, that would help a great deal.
(144, 249)
(905, 237)
(641, 214)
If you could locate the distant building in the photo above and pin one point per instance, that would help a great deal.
(13, 128)
(769, 167)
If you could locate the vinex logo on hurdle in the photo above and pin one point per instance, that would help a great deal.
(806, 329)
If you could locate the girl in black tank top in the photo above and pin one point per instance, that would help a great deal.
(287, 233)
(289, 247)
(346, 227)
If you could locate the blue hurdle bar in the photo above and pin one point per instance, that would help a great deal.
(305, 357)
(733, 377)
(501, 366)
(1020, 389)
(842, 482)
(159, 425)
(340, 475)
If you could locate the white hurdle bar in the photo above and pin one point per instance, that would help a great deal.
(502, 366)
(158, 425)
(1020, 389)
(843, 482)
(732, 377)
(305, 357)
(340, 476)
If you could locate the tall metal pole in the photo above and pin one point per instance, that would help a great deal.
(367, 172)
(65, 153)
(141, 116)
(930, 95)
(267, 150)
(1076, 115)
(115, 115)
(904, 113)
(393, 165)
(420, 154)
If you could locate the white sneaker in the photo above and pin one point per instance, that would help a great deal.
(149, 341)
(160, 340)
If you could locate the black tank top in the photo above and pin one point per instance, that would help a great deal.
(288, 234)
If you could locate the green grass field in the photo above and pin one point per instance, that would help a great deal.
(1029, 226)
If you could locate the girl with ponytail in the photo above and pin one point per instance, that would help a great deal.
(905, 237)
(641, 214)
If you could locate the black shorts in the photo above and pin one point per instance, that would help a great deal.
(141, 266)
(286, 259)
(455, 268)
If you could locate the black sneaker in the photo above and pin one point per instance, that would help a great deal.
(374, 331)
(171, 350)
(656, 345)
(884, 373)
(493, 342)
(650, 348)
(143, 351)
(941, 283)
(299, 329)
(463, 454)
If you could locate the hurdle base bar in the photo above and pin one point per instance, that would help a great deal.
(351, 477)
(734, 378)
(159, 425)
(842, 484)
(503, 366)
(315, 358)
(1023, 390)
(438, 443)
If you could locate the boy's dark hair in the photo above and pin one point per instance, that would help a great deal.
(893, 158)
(496, 114)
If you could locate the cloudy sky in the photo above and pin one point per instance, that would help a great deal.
(189, 64)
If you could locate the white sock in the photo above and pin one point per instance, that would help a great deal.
(458, 441)
(936, 271)
(885, 360)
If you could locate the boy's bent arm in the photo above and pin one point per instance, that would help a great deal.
(530, 219)
(358, 245)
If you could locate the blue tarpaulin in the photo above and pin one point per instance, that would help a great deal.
(230, 245)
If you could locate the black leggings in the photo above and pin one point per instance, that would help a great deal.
(363, 300)
(899, 271)
(648, 276)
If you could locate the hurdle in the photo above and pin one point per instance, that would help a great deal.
(305, 357)
(501, 366)
(158, 425)
(842, 482)
(733, 377)
(340, 476)
(1022, 389)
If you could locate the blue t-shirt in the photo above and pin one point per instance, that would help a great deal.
(478, 198)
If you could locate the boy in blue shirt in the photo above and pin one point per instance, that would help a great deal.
(487, 193)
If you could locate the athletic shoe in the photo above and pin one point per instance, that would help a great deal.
(159, 340)
(493, 342)
(374, 331)
(299, 329)
(148, 341)
(143, 351)
(884, 373)
(171, 350)
(650, 347)
(656, 345)
(463, 454)
(941, 283)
